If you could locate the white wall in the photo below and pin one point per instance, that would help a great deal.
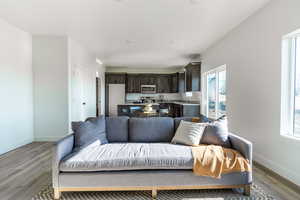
(16, 104)
(50, 67)
(101, 71)
(252, 53)
(84, 62)
(57, 98)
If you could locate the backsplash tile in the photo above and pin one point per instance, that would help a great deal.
(196, 96)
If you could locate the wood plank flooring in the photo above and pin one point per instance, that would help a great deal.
(26, 170)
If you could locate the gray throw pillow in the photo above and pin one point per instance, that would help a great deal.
(217, 133)
(189, 133)
(90, 131)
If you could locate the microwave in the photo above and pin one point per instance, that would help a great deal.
(148, 89)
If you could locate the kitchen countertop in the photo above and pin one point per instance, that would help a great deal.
(156, 104)
(138, 104)
(186, 103)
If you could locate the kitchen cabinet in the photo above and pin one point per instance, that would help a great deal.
(133, 83)
(187, 81)
(191, 111)
(181, 82)
(193, 77)
(134, 110)
(164, 83)
(148, 79)
(186, 110)
(174, 83)
(177, 110)
(115, 78)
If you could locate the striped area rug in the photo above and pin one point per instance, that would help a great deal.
(257, 193)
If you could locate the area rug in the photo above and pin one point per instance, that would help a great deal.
(257, 193)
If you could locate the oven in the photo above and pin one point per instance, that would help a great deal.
(148, 89)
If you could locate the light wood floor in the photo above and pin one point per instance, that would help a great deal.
(24, 171)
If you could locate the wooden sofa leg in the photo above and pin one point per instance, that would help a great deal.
(154, 193)
(247, 190)
(57, 193)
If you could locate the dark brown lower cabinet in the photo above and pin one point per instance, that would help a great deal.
(186, 110)
(133, 110)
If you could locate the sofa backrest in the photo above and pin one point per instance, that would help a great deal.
(189, 119)
(117, 129)
(156, 129)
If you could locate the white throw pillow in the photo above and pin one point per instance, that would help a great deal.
(189, 133)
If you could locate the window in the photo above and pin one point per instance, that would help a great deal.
(290, 85)
(214, 92)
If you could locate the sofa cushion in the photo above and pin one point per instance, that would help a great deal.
(93, 129)
(189, 133)
(217, 133)
(129, 156)
(117, 129)
(157, 129)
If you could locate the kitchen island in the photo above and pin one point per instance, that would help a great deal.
(162, 109)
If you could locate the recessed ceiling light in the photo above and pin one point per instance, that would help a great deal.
(99, 61)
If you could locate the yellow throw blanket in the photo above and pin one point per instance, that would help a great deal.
(212, 160)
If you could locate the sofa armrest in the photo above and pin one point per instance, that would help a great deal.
(242, 145)
(62, 148)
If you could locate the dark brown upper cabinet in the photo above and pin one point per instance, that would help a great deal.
(148, 79)
(193, 77)
(164, 83)
(174, 82)
(181, 82)
(133, 83)
(115, 78)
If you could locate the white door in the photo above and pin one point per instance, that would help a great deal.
(83, 94)
(77, 109)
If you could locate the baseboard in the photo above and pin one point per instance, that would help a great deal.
(20, 144)
(283, 174)
(47, 139)
(283, 180)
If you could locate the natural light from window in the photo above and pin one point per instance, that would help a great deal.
(214, 93)
(297, 90)
(290, 83)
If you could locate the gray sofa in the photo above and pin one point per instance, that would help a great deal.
(139, 156)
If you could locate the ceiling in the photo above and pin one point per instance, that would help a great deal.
(137, 33)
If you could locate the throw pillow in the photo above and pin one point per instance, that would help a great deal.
(217, 133)
(90, 131)
(189, 133)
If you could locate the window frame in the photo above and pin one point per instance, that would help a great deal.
(289, 50)
(204, 104)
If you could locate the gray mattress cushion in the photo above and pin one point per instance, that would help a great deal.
(157, 129)
(129, 156)
(117, 129)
